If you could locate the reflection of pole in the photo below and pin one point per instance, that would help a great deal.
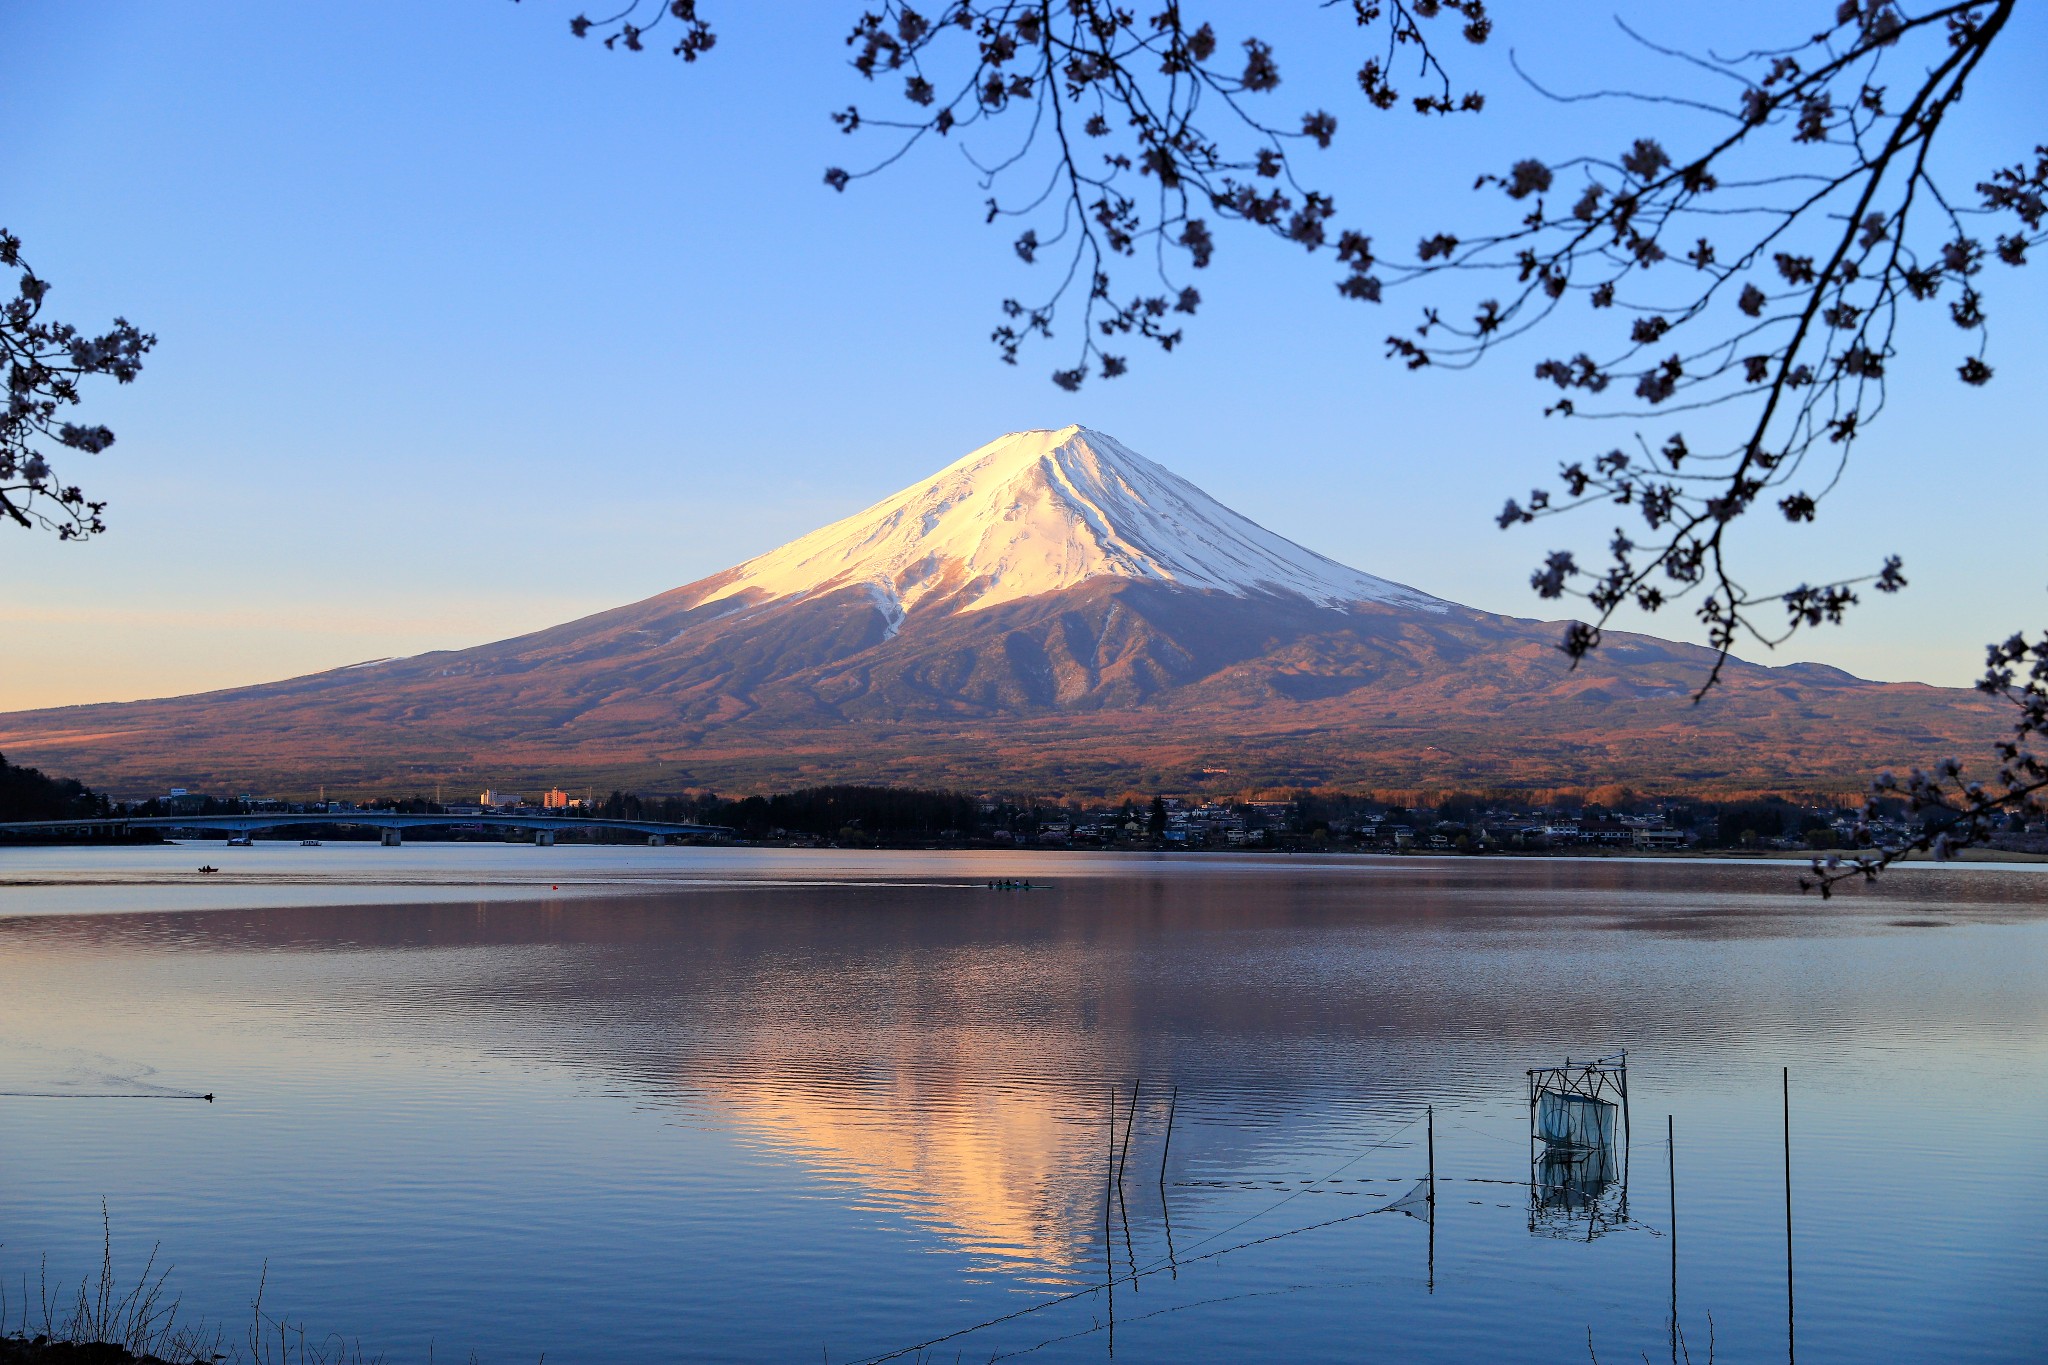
(1671, 1154)
(1430, 1114)
(1787, 1079)
(1167, 1213)
(1124, 1212)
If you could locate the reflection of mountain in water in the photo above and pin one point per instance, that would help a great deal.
(948, 1052)
(1011, 1178)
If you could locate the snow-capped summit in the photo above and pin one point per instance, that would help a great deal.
(1039, 511)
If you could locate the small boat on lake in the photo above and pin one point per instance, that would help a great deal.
(309, 843)
(208, 867)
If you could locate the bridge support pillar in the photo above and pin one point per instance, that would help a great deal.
(544, 838)
(392, 838)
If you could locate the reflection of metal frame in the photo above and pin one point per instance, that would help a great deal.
(1578, 1173)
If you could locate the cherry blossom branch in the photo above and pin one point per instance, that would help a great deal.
(43, 363)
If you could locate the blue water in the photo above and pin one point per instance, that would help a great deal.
(800, 1107)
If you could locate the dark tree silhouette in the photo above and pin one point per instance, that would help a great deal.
(27, 794)
(1132, 138)
(1751, 286)
(630, 27)
(44, 362)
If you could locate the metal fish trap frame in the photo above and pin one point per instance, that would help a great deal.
(1578, 1171)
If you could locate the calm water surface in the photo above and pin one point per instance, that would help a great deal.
(729, 1105)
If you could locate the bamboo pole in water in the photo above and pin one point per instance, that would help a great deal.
(1123, 1161)
(1166, 1147)
(1108, 1193)
(1165, 1209)
(1129, 1119)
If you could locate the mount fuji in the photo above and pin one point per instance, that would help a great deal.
(1053, 612)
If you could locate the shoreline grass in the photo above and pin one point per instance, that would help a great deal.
(102, 1323)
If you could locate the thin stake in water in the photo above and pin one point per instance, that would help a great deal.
(1108, 1190)
(1429, 1112)
(1123, 1159)
(1129, 1119)
(1172, 1104)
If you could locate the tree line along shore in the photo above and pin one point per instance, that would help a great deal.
(1600, 820)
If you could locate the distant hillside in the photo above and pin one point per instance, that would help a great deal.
(27, 794)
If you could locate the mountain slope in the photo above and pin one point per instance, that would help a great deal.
(1051, 612)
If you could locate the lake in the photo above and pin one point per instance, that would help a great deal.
(714, 1104)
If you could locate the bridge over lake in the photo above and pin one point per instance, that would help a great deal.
(391, 824)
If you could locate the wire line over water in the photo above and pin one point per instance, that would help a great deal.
(99, 1095)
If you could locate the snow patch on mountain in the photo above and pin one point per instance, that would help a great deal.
(1038, 511)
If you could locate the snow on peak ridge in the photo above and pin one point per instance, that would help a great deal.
(1037, 511)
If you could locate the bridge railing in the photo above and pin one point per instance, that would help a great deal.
(373, 819)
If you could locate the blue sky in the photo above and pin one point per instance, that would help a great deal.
(468, 328)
